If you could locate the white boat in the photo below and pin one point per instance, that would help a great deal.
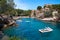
(47, 29)
(19, 20)
(27, 21)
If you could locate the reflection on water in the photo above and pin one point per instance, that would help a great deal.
(30, 30)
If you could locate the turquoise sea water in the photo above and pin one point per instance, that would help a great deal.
(30, 30)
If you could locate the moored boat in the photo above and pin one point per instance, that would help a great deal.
(47, 29)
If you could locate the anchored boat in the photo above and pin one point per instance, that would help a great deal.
(47, 29)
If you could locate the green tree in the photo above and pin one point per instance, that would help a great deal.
(56, 6)
(19, 11)
(27, 12)
(3, 6)
(39, 8)
(6, 6)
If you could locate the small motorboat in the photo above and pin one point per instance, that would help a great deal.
(27, 21)
(47, 29)
(19, 20)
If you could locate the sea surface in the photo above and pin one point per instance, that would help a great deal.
(28, 28)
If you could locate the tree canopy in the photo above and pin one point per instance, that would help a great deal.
(39, 8)
(6, 6)
(56, 6)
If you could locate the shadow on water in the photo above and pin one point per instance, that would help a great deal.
(45, 36)
(58, 25)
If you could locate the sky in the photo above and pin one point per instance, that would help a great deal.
(32, 4)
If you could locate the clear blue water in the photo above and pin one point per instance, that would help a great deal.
(30, 30)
